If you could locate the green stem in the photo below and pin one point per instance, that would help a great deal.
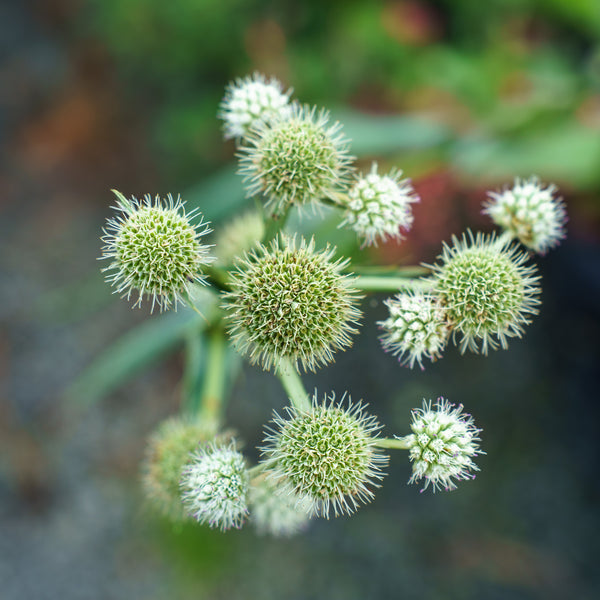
(392, 443)
(373, 283)
(274, 225)
(217, 277)
(290, 379)
(211, 396)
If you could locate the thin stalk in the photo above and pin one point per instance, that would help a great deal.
(290, 379)
(274, 225)
(373, 283)
(211, 395)
(392, 443)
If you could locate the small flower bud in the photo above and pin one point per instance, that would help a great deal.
(291, 301)
(378, 206)
(327, 454)
(155, 250)
(530, 213)
(275, 511)
(416, 328)
(214, 486)
(297, 160)
(251, 101)
(442, 445)
(487, 291)
(239, 235)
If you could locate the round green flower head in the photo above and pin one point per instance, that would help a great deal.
(250, 101)
(239, 235)
(155, 250)
(379, 206)
(487, 291)
(531, 213)
(291, 301)
(299, 160)
(442, 445)
(416, 328)
(168, 452)
(327, 454)
(214, 486)
(275, 511)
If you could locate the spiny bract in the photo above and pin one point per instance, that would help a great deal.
(328, 454)
(297, 160)
(155, 249)
(442, 445)
(291, 301)
(487, 291)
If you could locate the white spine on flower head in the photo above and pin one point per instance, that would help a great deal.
(442, 445)
(379, 206)
(530, 212)
(250, 101)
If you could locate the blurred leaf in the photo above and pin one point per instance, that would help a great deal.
(131, 353)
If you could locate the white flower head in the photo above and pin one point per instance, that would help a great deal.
(442, 445)
(379, 206)
(214, 486)
(531, 212)
(416, 328)
(250, 101)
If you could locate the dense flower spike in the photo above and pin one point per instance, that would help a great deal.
(214, 486)
(297, 160)
(416, 327)
(168, 451)
(291, 301)
(277, 512)
(378, 206)
(487, 291)
(251, 101)
(442, 445)
(239, 235)
(155, 249)
(327, 454)
(530, 212)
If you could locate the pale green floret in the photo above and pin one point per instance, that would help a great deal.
(250, 101)
(487, 291)
(379, 206)
(238, 236)
(155, 250)
(298, 160)
(442, 445)
(291, 301)
(276, 511)
(530, 212)
(327, 454)
(214, 486)
(415, 329)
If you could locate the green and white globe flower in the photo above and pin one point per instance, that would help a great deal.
(250, 101)
(415, 329)
(214, 486)
(276, 511)
(291, 301)
(155, 249)
(327, 454)
(487, 291)
(297, 160)
(530, 212)
(379, 206)
(442, 445)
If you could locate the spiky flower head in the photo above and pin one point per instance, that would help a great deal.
(154, 249)
(530, 212)
(239, 235)
(416, 327)
(487, 291)
(442, 445)
(275, 511)
(214, 486)
(169, 450)
(298, 160)
(379, 206)
(250, 101)
(291, 301)
(327, 453)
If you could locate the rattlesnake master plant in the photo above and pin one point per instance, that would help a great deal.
(286, 303)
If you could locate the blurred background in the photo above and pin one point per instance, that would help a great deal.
(463, 96)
